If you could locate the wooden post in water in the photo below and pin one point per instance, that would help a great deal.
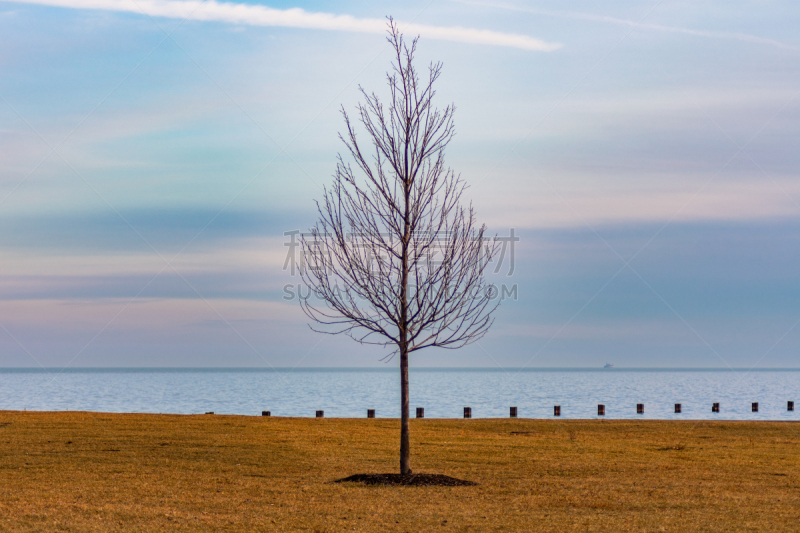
(513, 412)
(320, 414)
(677, 408)
(790, 406)
(715, 407)
(420, 412)
(639, 408)
(265, 413)
(468, 412)
(556, 410)
(370, 413)
(601, 410)
(755, 407)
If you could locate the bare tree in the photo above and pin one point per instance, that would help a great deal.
(394, 259)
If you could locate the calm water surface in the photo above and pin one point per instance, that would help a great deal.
(442, 392)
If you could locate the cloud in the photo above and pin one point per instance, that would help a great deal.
(254, 15)
(745, 37)
(589, 200)
(628, 329)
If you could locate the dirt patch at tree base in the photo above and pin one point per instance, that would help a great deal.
(418, 480)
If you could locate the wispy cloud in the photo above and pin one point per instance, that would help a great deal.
(745, 37)
(590, 200)
(255, 15)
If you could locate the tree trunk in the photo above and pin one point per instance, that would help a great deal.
(405, 443)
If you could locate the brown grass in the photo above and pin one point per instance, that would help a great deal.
(109, 472)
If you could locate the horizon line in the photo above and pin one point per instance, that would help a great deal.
(392, 368)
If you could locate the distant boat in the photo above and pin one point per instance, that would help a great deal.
(608, 365)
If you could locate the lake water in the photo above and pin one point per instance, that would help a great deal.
(442, 392)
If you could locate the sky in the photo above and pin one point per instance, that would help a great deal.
(156, 153)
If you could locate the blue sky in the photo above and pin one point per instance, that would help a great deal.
(645, 153)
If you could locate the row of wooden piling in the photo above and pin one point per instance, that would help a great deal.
(601, 410)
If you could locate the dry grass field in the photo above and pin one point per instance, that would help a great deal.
(132, 472)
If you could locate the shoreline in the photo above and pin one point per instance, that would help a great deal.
(453, 419)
